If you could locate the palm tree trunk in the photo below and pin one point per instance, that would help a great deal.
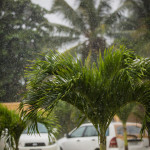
(102, 142)
(17, 144)
(125, 136)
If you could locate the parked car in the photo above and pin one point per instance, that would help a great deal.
(86, 138)
(37, 141)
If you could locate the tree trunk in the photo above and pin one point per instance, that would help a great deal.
(125, 136)
(102, 142)
(17, 144)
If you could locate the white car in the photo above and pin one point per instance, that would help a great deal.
(85, 138)
(36, 141)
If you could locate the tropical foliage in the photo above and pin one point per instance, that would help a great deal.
(68, 117)
(24, 31)
(133, 29)
(98, 91)
(12, 125)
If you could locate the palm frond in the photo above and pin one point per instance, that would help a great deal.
(125, 111)
(70, 15)
(113, 17)
(103, 7)
(58, 28)
(58, 41)
(88, 10)
(76, 49)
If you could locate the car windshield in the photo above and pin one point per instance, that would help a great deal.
(41, 129)
(86, 131)
(131, 130)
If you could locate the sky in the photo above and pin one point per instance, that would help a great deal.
(48, 4)
(58, 19)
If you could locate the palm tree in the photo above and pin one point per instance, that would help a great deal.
(12, 125)
(88, 26)
(134, 29)
(98, 91)
(123, 115)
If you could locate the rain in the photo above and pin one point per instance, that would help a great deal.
(75, 74)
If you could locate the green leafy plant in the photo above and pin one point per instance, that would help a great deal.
(68, 117)
(97, 90)
(12, 125)
(24, 31)
(133, 30)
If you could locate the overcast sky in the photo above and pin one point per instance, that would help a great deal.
(47, 4)
(57, 19)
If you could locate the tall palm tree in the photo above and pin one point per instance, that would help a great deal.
(98, 91)
(88, 25)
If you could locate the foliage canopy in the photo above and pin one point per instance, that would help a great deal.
(24, 31)
(133, 29)
(12, 125)
(97, 90)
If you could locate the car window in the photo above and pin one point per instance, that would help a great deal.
(107, 132)
(78, 132)
(41, 129)
(133, 130)
(91, 131)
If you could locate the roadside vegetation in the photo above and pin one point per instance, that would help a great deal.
(12, 125)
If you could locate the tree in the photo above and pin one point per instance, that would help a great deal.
(12, 125)
(98, 91)
(68, 117)
(133, 30)
(88, 25)
(24, 31)
(123, 114)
